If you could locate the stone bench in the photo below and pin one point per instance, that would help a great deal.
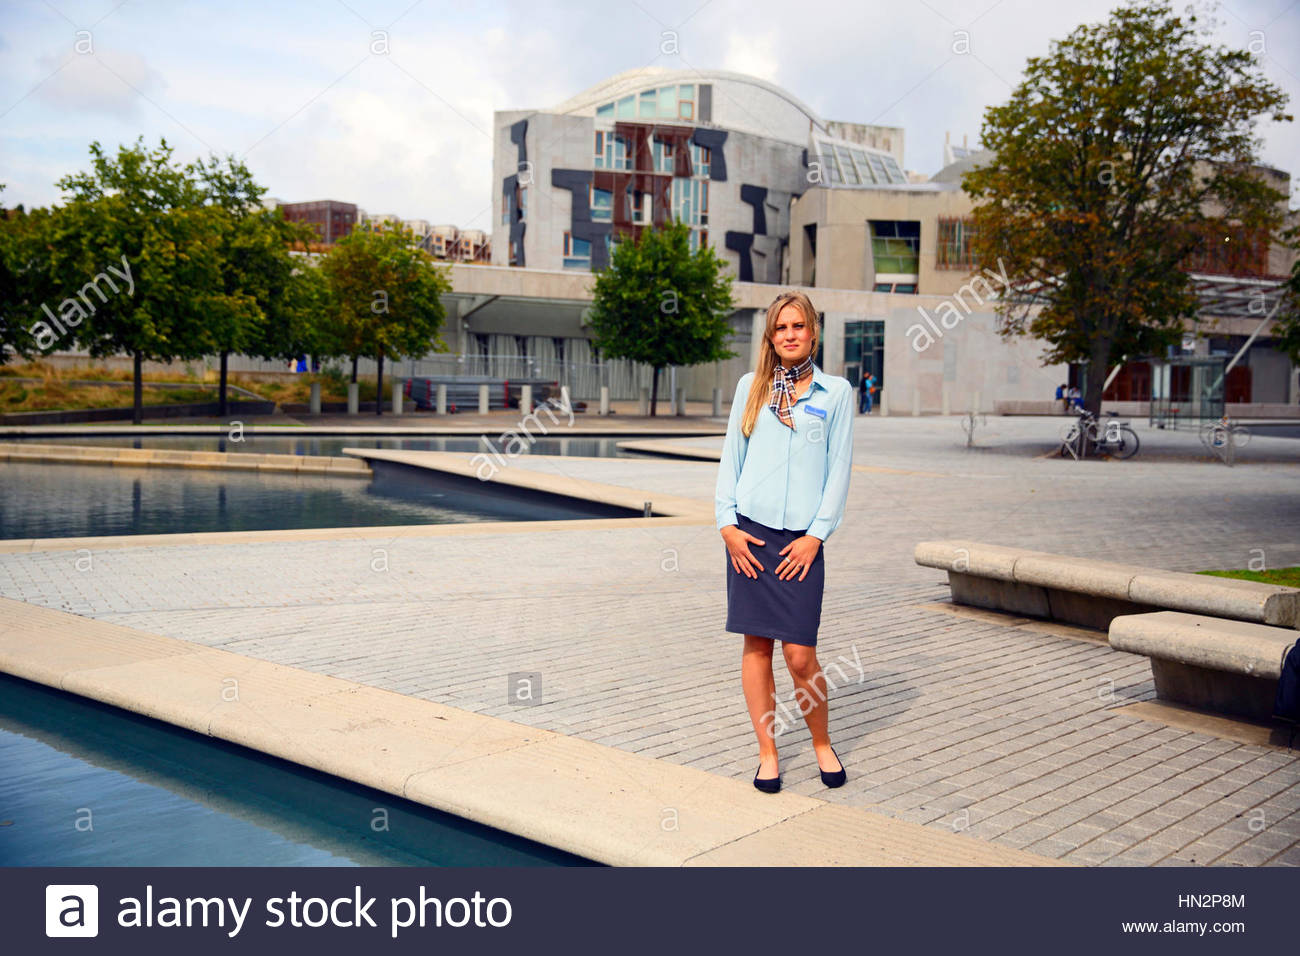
(1092, 593)
(1207, 662)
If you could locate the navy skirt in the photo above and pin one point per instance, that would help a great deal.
(766, 606)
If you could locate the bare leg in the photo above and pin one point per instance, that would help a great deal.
(760, 697)
(810, 698)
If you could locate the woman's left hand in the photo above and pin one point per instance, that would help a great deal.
(799, 555)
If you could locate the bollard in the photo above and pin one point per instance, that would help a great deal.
(483, 403)
(604, 399)
(717, 403)
(442, 399)
(645, 402)
(680, 403)
(397, 396)
(525, 399)
(565, 401)
(315, 398)
(882, 403)
(353, 398)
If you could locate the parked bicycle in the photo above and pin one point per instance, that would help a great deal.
(1218, 434)
(1087, 435)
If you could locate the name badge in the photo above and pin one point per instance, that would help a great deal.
(814, 410)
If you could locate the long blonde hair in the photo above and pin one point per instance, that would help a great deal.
(760, 389)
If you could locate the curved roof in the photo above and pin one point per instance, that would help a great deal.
(740, 118)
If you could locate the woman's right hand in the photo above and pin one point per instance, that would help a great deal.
(737, 542)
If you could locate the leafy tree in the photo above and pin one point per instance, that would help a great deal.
(1113, 157)
(1286, 323)
(661, 304)
(25, 280)
(141, 220)
(383, 298)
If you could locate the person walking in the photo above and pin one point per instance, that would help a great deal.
(786, 464)
(871, 392)
(862, 393)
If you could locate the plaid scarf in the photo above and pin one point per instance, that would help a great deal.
(783, 380)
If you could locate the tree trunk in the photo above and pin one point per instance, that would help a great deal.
(137, 389)
(1094, 377)
(379, 392)
(654, 391)
(221, 392)
(354, 369)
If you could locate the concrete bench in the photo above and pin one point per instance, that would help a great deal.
(1228, 666)
(1092, 593)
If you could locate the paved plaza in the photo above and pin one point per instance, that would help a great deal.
(1009, 731)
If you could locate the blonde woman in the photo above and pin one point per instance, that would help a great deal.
(782, 484)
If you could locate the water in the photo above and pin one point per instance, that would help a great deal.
(262, 443)
(69, 500)
(84, 784)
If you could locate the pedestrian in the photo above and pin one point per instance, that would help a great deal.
(862, 392)
(1062, 397)
(871, 392)
(786, 463)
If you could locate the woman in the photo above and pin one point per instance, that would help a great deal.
(785, 465)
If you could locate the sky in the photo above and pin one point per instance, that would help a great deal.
(389, 104)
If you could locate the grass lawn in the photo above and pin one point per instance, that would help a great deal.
(55, 393)
(1288, 577)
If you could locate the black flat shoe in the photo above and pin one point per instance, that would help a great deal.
(833, 779)
(767, 784)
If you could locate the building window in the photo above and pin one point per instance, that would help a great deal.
(953, 248)
(611, 151)
(663, 156)
(523, 202)
(690, 199)
(602, 205)
(896, 246)
(830, 166)
(577, 252)
(701, 161)
(637, 206)
(686, 102)
(864, 350)
(1229, 249)
(626, 108)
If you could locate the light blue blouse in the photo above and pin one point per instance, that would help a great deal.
(789, 478)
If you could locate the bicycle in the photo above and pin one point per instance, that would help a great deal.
(1086, 434)
(1217, 434)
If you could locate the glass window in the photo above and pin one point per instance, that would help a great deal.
(577, 252)
(829, 166)
(649, 104)
(605, 112)
(523, 202)
(896, 246)
(602, 205)
(701, 161)
(860, 160)
(627, 107)
(846, 166)
(878, 169)
(663, 156)
(685, 110)
(882, 287)
(668, 102)
(896, 175)
(908, 287)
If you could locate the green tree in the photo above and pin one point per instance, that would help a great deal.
(661, 304)
(383, 298)
(1112, 158)
(137, 224)
(25, 279)
(1286, 323)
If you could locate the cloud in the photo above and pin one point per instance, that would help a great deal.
(109, 83)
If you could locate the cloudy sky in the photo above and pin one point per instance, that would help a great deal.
(389, 104)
